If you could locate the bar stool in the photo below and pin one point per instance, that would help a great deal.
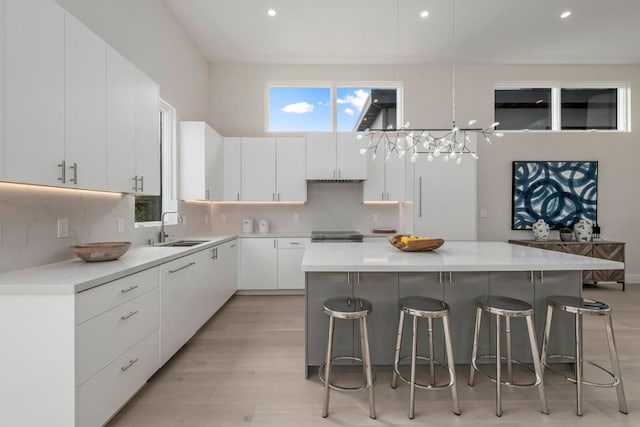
(579, 307)
(429, 308)
(506, 307)
(350, 309)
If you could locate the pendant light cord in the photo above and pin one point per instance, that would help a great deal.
(453, 60)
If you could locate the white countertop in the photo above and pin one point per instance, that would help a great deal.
(452, 256)
(77, 275)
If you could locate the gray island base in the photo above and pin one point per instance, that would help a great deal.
(457, 273)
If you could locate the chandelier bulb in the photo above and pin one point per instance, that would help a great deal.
(429, 158)
(499, 134)
(401, 154)
(474, 155)
(445, 159)
(455, 129)
(374, 155)
(472, 122)
(406, 125)
(494, 124)
(487, 139)
(413, 157)
(436, 152)
(363, 150)
(453, 155)
(359, 136)
(459, 160)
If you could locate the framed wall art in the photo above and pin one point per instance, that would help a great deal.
(559, 192)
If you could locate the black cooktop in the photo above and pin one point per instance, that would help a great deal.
(336, 236)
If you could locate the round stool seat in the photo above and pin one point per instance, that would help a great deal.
(504, 306)
(423, 306)
(577, 305)
(347, 307)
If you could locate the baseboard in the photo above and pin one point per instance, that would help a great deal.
(272, 292)
(632, 278)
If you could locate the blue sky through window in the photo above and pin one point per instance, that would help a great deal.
(349, 103)
(299, 109)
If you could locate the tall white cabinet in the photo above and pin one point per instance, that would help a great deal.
(34, 91)
(201, 162)
(445, 198)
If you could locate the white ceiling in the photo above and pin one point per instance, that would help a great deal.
(366, 31)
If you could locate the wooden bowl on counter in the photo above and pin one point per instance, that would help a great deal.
(417, 245)
(101, 251)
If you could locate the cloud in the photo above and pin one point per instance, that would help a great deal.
(355, 99)
(349, 111)
(298, 108)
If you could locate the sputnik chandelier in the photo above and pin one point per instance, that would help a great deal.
(446, 144)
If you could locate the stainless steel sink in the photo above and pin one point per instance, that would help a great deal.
(184, 243)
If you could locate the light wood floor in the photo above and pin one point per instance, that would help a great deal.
(245, 368)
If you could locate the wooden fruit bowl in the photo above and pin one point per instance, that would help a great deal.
(100, 251)
(418, 245)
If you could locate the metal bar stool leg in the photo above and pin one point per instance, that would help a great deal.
(579, 364)
(452, 366)
(396, 357)
(498, 370)
(474, 351)
(509, 363)
(615, 363)
(536, 364)
(327, 369)
(366, 360)
(414, 351)
(432, 367)
(545, 338)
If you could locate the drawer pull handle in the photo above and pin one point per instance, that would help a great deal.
(182, 268)
(126, 316)
(129, 289)
(128, 365)
(294, 243)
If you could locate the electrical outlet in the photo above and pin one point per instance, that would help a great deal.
(63, 228)
(296, 218)
(120, 225)
(375, 218)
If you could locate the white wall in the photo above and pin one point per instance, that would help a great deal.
(237, 109)
(148, 34)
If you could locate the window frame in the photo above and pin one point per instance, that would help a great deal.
(623, 89)
(333, 86)
(169, 160)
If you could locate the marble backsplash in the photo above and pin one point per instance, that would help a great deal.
(29, 215)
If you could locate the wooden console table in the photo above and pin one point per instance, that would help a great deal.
(603, 249)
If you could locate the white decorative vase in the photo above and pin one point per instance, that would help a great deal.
(583, 230)
(540, 230)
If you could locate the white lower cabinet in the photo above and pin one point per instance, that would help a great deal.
(258, 263)
(101, 397)
(271, 263)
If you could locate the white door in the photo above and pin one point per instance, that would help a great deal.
(291, 181)
(321, 155)
(232, 154)
(85, 106)
(373, 188)
(34, 91)
(121, 123)
(258, 264)
(351, 164)
(445, 204)
(259, 169)
(394, 178)
(148, 147)
(290, 275)
(214, 175)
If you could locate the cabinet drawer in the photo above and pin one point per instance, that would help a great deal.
(95, 301)
(100, 397)
(103, 338)
(293, 242)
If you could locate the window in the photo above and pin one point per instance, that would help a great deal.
(148, 209)
(562, 107)
(332, 107)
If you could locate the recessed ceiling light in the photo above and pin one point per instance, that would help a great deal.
(565, 14)
(272, 12)
(424, 14)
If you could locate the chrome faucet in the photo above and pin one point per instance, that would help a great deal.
(163, 235)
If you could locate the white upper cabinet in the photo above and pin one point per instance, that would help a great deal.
(201, 176)
(350, 163)
(259, 169)
(147, 131)
(385, 178)
(232, 170)
(291, 184)
(121, 123)
(34, 91)
(445, 198)
(335, 156)
(85, 106)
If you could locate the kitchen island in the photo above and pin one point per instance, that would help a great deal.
(457, 273)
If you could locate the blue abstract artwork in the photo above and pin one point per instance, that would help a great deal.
(561, 193)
